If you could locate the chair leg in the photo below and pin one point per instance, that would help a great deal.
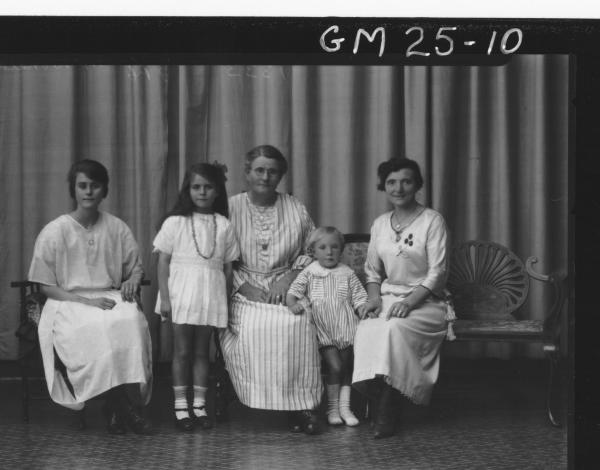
(552, 363)
(82, 422)
(25, 392)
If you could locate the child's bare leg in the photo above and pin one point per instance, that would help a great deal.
(200, 371)
(334, 365)
(180, 367)
(347, 359)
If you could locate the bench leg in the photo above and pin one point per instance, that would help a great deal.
(552, 365)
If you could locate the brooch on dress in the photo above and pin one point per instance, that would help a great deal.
(408, 241)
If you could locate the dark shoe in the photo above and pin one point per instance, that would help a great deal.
(184, 424)
(294, 422)
(203, 421)
(114, 424)
(385, 421)
(309, 421)
(136, 422)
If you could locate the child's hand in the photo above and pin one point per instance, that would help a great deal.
(372, 307)
(362, 311)
(297, 309)
(165, 309)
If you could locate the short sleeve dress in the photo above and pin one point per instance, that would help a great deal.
(334, 296)
(197, 287)
(99, 348)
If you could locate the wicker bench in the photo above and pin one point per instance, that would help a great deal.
(488, 284)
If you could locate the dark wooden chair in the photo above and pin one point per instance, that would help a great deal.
(489, 284)
(31, 303)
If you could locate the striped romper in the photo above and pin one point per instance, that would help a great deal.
(334, 296)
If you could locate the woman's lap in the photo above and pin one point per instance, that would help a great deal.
(272, 356)
(101, 348)
(404, 350)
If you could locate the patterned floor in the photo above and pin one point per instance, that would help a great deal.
(473, 423)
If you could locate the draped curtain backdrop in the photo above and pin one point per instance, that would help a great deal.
(492, 143)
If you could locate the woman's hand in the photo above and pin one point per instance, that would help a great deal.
(101, 302)
(399, 309)
(372, 308)
(253, 293)
(276, 294)
(129, 290)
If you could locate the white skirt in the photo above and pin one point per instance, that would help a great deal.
(100, 349)
(197, 289)
(404, 351)
(272, 356)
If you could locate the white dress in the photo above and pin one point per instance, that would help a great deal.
(99, 348)
(197, 287)
(334, 295)
(405, 351)
(271, 354)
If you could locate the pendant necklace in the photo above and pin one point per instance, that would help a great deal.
(399, 228)
(214, 237)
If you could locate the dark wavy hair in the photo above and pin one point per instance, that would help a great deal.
(267, 151)
(94, 170)
(397, 164)
(213, 172)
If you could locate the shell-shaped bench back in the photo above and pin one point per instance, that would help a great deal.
(487, 281)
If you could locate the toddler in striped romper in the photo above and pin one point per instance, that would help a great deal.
(332, 293)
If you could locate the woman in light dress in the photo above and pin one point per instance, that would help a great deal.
(397, 348)
(88, 265)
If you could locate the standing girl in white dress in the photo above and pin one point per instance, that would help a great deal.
(332, 292)
(196, 246)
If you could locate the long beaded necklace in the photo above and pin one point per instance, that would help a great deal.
(214, 237)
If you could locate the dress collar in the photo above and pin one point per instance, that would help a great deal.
(317, 270)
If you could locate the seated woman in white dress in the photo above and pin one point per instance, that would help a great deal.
(271, 354)
(397, 347)
(88, 265)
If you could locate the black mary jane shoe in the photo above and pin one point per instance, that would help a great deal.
(137, 423)
(184, 424)
(203, 422)
(114, 423)
(309, 421)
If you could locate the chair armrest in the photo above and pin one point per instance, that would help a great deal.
(557, 280)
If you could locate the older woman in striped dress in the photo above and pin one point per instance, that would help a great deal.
(270, 353)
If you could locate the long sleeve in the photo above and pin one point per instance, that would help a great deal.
(359, 294)
(303, 260)
(299, 287)
(437, 262)
(374, 268)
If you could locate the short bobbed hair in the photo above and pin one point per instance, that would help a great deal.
(267, 151)
(94, 170)
(397, 164)
(318, 233)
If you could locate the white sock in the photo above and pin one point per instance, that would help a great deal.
(181, 404)
(333, 408)
(345, 412)
(200, 400)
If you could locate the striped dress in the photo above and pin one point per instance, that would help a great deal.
(334, 295)
(270, 353)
